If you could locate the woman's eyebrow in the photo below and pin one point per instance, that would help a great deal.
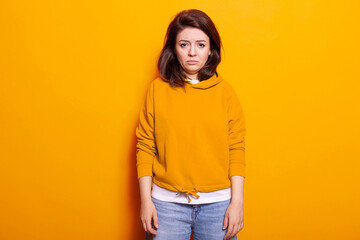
(189, 41)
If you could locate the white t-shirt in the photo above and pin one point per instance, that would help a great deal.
(164, 194)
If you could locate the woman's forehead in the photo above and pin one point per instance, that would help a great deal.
(192, 34)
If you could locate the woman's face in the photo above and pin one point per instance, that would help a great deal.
(192, 49)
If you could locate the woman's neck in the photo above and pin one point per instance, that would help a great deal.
(192, 77)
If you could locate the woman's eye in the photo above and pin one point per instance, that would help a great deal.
(202, 45)
(182, 44)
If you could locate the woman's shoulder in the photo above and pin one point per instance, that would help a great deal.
(230, 91)
(155, 83)
(227, 86)
(158, 81)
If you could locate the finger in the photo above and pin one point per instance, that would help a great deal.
(229, 231)
(156, 221)
(152, 230)
(226, 221)
(240, 227)
(228, 226)
(233, 232)
(236, 229)
(144, 225)
(148, 226)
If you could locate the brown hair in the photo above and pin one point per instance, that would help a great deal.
(168, 64)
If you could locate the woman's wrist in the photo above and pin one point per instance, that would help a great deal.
(237, 201)
(145, 199)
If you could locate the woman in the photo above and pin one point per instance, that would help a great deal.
(191, 139)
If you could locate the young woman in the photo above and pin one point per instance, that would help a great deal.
(191, 139)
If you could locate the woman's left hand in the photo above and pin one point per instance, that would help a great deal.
(234, 219)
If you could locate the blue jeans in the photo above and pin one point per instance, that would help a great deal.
(176, 220)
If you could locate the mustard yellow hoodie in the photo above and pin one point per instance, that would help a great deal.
(191, 139)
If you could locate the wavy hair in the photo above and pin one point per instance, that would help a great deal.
(168, 64)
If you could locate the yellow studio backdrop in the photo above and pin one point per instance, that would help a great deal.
(73, 75)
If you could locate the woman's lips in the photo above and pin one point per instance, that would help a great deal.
(191, 62)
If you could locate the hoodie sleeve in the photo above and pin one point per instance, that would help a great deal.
(146, 146)
(237, 132)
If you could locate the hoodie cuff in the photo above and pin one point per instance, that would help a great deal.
(237, 165)
(237, 169)
(145, 164)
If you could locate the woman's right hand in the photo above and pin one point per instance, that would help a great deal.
(147, 215)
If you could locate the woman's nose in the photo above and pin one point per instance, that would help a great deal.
(192, 51)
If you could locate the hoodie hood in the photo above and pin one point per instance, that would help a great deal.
(207, 83)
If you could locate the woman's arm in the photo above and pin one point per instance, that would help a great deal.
(148, 210)
(146, 151)
(234, 216)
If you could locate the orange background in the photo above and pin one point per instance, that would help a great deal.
(74, 73)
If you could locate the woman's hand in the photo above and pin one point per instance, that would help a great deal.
(234, 219)
(147, 211)
(147, 215)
